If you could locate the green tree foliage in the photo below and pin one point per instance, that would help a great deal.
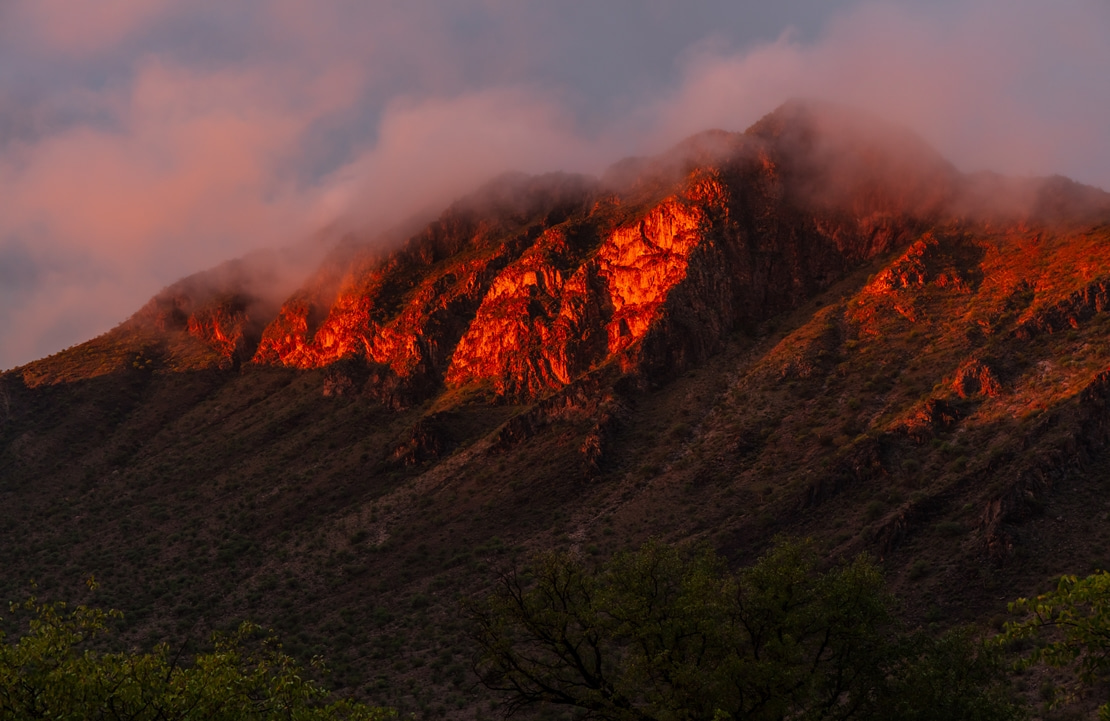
(664, 635)
(56, 671)
(1070, 627)
(951, 676)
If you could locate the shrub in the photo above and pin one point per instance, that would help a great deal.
(58, 670)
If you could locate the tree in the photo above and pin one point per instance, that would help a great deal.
(56, 671)
(666, 635)
(1070, 627)
(953, 675)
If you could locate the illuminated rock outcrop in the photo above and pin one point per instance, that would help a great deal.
(647, 271)
(534, 282)
(406, 311)
(546, 318)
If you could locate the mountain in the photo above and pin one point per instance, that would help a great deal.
(816, 327)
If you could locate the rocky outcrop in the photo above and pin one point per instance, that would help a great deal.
(225, 326)
(538, 328)
(1079, 306)
(924, 421)
(407, 310)
(365, 320)
(947, 262)
(648, 275)
(541, 323)
(975, 377)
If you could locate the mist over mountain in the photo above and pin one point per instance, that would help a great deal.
(141, 142)
(817, 327)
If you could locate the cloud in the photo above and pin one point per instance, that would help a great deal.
(84, 26)
(1011, 87)
(190, 169)
(143, 141)
(430, 151)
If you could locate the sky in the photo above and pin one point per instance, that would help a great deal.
(144, 140)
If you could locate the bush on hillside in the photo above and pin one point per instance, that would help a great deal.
(59, 670)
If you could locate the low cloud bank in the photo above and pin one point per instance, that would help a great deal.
(161, 139)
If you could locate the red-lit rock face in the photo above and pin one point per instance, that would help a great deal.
(533, 328)
(546, 319)
(532, 282)
(355, 326)
(406, 312)
(652, 285)
(523, 297)
(222, 327)
(641, 263)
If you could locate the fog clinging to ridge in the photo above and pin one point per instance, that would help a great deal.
(143, 141)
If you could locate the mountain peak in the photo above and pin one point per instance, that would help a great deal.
(815, 328)
(562, 276)
(530, 282)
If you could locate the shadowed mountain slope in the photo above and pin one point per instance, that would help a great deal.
(818, 326)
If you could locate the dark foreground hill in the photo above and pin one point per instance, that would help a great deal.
(817, 327)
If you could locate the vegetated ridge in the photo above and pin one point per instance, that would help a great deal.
(816, 327)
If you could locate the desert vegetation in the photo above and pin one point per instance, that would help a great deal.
(665, 633)
(64, 666)
(701, 348)
(660, 633)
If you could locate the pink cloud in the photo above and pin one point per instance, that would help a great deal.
(196, 158)
(430, 151)
(188, 162)
(83, 26)
(994, 85)
(193, 169)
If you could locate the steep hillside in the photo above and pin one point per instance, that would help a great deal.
(818, 327)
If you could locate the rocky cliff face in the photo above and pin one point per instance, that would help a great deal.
(534, 282)
(816, 327)
(405, 311)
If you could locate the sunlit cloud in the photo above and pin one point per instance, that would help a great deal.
(991, 88)
(81, 27)
(142, 141)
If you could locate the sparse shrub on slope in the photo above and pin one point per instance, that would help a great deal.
(56, 671)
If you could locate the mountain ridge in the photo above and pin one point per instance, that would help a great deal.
(759, 333)
(341, 311)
